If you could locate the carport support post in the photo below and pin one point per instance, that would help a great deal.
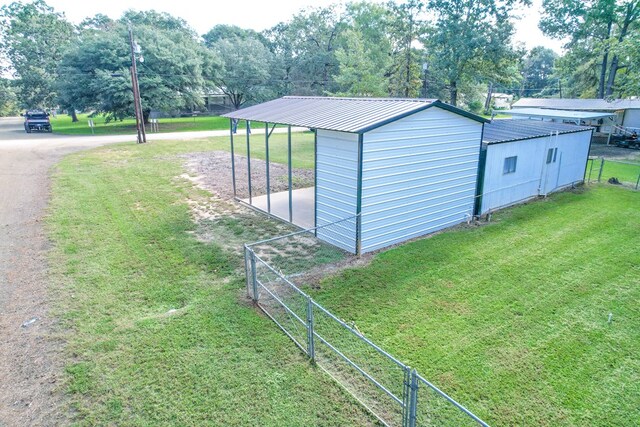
(233, 159)
(289, 172)
(249, 160)
(266, 151)
(359, 198)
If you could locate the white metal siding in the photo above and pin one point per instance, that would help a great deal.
(419, 176)
(533, 176)
(573, 152)
(336, 187)
(632, 119)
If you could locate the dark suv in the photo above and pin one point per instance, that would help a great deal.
(36, 120)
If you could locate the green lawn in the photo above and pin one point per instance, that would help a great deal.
(302, 148)
(63, 125)
(511, 318)
(156, 326)
(625, 172)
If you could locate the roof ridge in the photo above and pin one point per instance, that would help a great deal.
(354, 98)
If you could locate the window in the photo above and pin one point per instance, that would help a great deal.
(555, 154)
(510, 164)
(552, 155)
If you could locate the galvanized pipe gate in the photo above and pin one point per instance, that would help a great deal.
(265, 281)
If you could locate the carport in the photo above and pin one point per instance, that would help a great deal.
(585, 118)
(385, 170)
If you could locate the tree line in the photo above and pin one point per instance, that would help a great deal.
(459, 51)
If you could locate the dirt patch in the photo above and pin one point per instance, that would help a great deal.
(219, 218)
(213, 171)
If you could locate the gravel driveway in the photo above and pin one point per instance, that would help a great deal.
(30, 362)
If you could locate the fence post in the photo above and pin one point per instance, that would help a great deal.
(246, 268)
(254, 277)
(590, 170)
(638, 181)
(311, 349)
(601, 167)
(413, 399)
(406, 393)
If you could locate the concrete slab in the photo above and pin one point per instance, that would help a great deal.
(303, 206)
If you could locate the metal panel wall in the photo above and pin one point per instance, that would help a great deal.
(533, 176)
(632, 119)
(336, 187)
(419, 176)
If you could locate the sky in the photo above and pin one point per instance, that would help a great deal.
(257, 14)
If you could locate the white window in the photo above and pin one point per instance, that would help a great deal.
(510, 164)
(552, 155)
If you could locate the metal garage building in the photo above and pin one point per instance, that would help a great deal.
(522, 159)
(401, 168)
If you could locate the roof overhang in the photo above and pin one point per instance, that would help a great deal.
(544, 113)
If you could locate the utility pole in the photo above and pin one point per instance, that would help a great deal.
(487, 101)
(137, 102)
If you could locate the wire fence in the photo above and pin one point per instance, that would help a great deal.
(393, 392)
(619, 172)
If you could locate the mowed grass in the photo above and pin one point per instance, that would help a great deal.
(302, 148)
(62, 124)
(511, 318)
(627, 173)
(158, 330)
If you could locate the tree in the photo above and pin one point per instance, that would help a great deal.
(538, 70)
(628, 83)
(359, 75)
(34, 38)
(405, 28)
(227, 32)
(245, 73)
(469, 39)
(364, 55)
(8, 99)
(306, 48)
(175, 73)
(593, 28)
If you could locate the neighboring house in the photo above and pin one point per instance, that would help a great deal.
(217, 102)
(502, 100)
(627, 110)
(522, 159)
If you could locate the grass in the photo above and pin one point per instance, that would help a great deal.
(62, 124)
(625, 172)
(511, 318)
(159, 330)
(302, 148)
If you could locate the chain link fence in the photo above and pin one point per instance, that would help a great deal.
(393, 392)
(620, 172)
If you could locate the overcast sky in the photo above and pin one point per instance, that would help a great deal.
(256, 14)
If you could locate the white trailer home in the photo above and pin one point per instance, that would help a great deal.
(400, 168)
(627, 111)
(522, 159)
